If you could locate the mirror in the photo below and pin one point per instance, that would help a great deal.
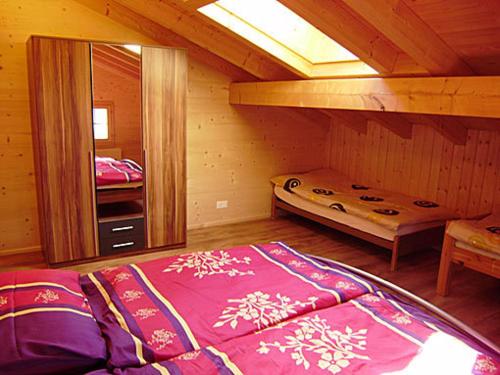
(116, 113)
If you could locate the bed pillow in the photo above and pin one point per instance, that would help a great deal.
(47, 325)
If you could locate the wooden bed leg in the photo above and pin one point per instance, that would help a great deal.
(395, 252)
(274, 209)
(443, 282)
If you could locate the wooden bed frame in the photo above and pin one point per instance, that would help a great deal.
(399, 246)
(467, 258)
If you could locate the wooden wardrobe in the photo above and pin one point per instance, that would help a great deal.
(61, 115)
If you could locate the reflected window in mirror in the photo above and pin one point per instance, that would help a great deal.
(103, 122)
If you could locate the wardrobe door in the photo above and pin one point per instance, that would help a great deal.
(63, 144)
(164, 85)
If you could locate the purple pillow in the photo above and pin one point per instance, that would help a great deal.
(46, 324)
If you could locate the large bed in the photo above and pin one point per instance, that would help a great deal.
(257, 309)
(391, 220)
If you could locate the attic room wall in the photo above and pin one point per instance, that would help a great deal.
(124, 92)
(465, 178)
(232, 152)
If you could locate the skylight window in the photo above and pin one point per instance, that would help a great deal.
(273, 27)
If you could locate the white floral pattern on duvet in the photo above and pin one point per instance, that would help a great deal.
(145, 313)
(261, 309)
(161, 338)
(485, 365)
(314, 340)
(132, 295)
(3, 301)
(209, 263)
(122, 276)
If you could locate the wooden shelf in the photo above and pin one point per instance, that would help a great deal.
(120, 211)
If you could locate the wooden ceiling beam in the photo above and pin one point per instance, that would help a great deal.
(398, 23)
(199, 30)
(456, 96)
(164, 36)
(338, 22)
(394, 122)
(195, 4)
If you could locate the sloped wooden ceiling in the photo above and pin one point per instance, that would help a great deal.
(116, 59)
(470, 27)
(395, 37)
(406, 38)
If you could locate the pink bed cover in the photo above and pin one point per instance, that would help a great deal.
(267, 309)
(110, 171)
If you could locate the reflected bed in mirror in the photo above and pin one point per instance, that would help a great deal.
(117, 180)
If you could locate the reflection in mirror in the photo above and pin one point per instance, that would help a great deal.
(116, 86)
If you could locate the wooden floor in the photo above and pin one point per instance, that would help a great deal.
(474, 298)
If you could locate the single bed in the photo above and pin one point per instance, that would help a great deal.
(220, 312)
(474, 244)
(118, 180)
(394, 221)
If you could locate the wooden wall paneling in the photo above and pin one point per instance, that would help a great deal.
(454, 181)
(444, 170)
(63, 144)
(496, 203)
(382, 159)
(453, 130)
(478, 172)
(164, 89)
(429, 165)
(353, 119)
(492, 171)
(393, 154)
(437, 151)
(467, 169)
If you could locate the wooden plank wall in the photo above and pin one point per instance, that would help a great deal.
(463, 177)
(232, 152)
(124, 91)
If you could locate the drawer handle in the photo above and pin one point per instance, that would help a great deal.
(124, 244)
(122, 229)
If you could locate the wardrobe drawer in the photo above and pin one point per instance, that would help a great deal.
(110, 246)
(122, 228)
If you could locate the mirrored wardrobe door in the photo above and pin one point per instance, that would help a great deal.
(117, 129)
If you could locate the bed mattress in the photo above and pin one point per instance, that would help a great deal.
(481, 234)
(351, 220)
(332, 190)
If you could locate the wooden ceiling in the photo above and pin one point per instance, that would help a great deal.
(395, 37)
(117, 59)
(398, 38)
